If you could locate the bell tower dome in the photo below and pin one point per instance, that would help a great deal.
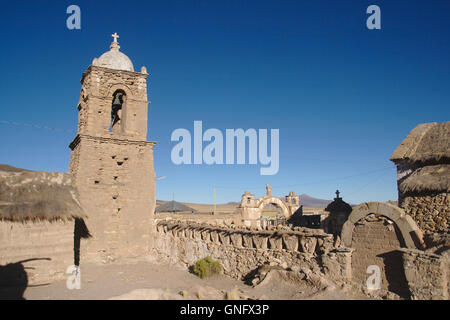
(113, 100)
(114, 59)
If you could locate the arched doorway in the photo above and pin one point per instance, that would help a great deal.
(263, 201)
(375, 241)
(250, 208)
(272, 215)
(375, 231)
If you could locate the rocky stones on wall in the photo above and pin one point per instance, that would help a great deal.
(241, 251)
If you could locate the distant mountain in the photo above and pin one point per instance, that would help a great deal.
(305, 200)
(7, 167)
(308, 201)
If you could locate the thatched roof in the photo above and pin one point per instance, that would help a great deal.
(173, 206)
(428, 143)
(34, 195)
(427, 179)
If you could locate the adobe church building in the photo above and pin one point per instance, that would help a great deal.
(111, 161)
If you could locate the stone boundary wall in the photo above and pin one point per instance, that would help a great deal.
(241, 250)
(427, 274)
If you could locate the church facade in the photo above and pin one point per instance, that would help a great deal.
(111, 161)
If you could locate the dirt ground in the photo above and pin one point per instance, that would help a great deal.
(150, 280)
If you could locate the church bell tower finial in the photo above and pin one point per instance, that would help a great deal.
(115, 45)
(115, 36)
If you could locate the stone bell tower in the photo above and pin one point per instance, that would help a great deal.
(111, 160)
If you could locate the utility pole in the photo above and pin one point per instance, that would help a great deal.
(214, 213)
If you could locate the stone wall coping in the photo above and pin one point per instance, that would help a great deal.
(419, 252)
(78, 138)
(206, 227)
(92, 68)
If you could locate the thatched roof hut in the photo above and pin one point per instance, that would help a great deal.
(423, 159)
(37, 196)
(426, 144)
(427, 179)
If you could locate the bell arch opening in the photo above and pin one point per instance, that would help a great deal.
(118, 108)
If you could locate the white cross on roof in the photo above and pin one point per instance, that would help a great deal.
(115, 36)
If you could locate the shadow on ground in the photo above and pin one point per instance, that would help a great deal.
(14, 279)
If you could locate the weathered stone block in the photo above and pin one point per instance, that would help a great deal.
(188, 233)
(215, 236)
(236, 239)
(276, 242)
(260, 241)
(196, 234)
(290, 242)
(247, 240)
(308, 244)
(224, 238)
(206, 235)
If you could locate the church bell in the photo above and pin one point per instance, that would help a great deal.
(117, 101)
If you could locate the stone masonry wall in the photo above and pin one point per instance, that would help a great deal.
(98, 86)
(113, 169)
(430, 212)
(114, 180)
(22, 241)
(243, 250)
(427, 274)
(375, 241)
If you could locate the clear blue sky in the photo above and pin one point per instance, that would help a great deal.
(342, 96)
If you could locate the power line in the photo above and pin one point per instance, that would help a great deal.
(341, 178)
(39, 126)
(336, 160)
(320, 181)
(35, 126)
(373, 181)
